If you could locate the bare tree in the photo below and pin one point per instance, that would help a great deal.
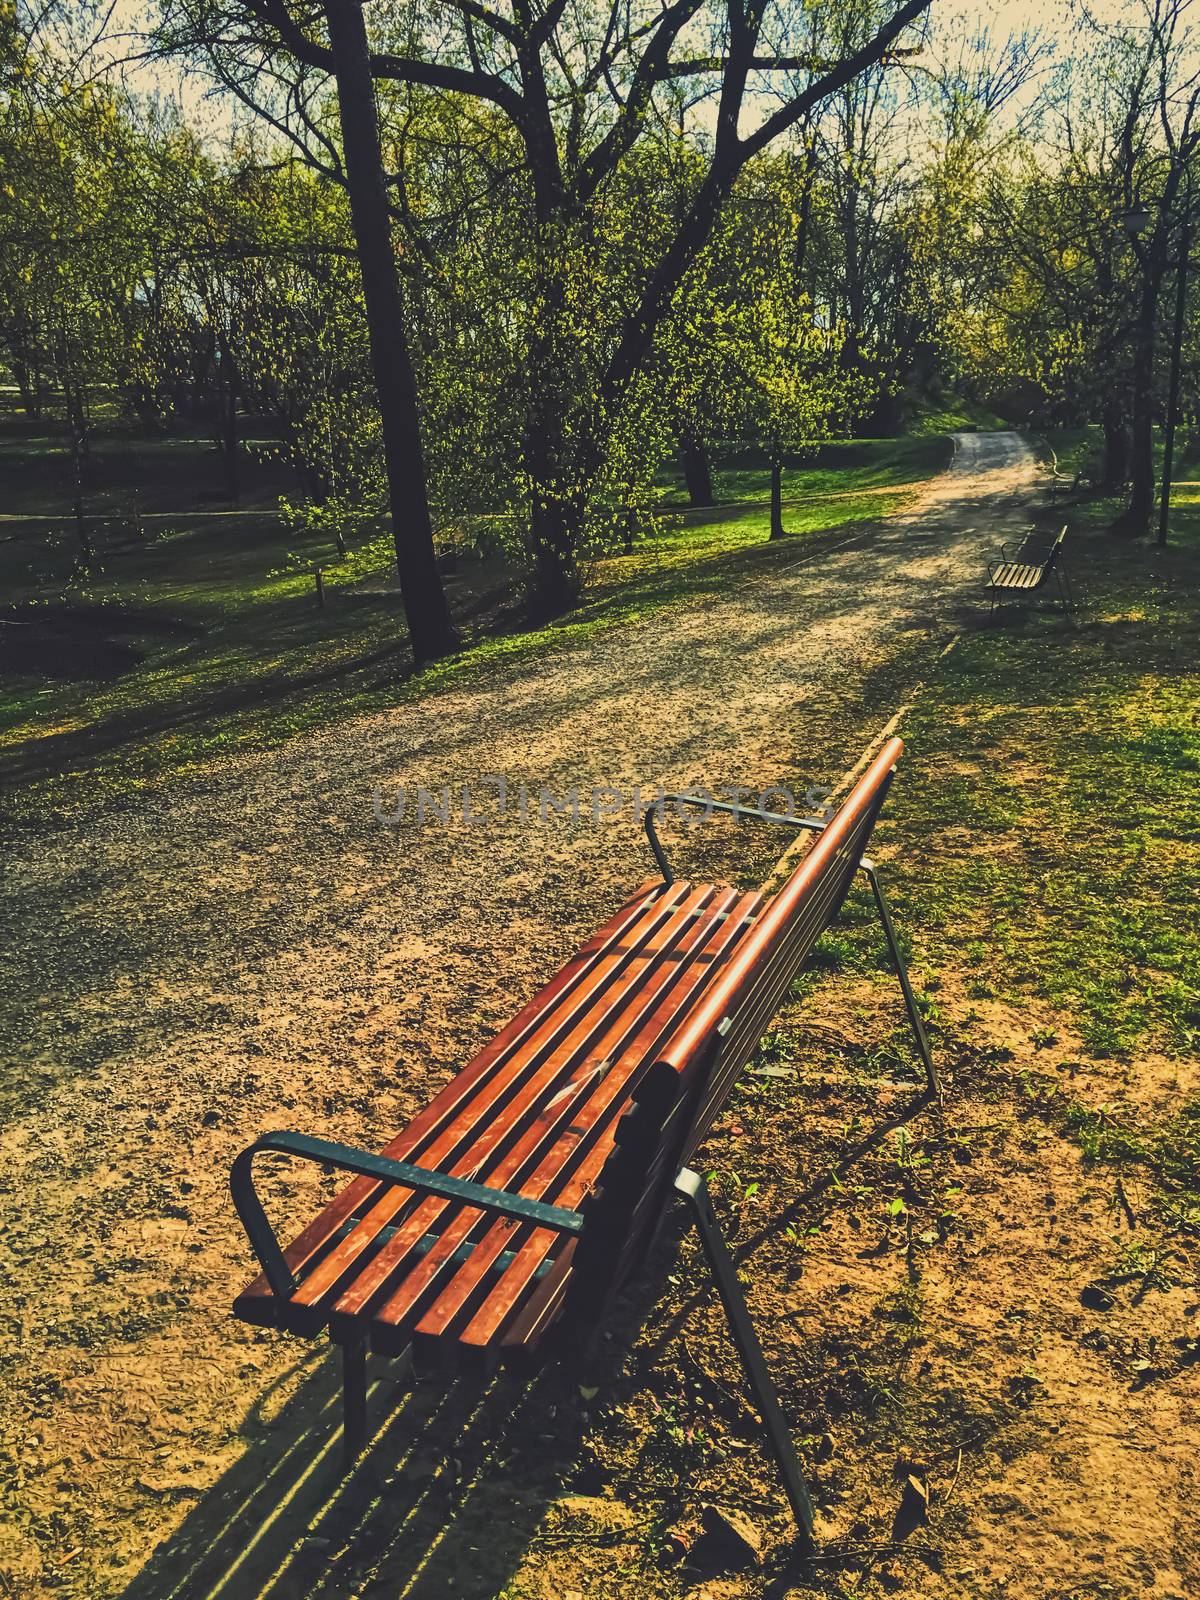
(1158, 138)
(579, 86)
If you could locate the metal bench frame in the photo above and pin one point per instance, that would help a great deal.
(1050, 562)
(669, 1113)
(866, 866)
(1060, 483)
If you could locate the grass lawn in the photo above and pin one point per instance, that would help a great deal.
(994, 1299)
(1057, 767)
(835, 466)
(952, 416)
(208, 638)
(1052, 795)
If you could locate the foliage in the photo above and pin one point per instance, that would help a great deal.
(578, 310)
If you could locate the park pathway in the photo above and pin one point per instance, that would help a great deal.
(259, 950)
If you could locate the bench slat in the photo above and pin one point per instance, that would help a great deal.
(718, 941)
(836, 844)
(498, 1106)
(552, 1096)
(257, 1303)
(618, 1048)
(676, 1101)
(1017, 575)
(702, 1084)
(769, 992)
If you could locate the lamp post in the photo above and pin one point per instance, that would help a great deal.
(1181, 276)
(1135, 219)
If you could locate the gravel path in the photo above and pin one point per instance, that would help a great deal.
(260, 949)
(123, 919)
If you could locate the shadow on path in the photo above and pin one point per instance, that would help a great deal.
(454, 1483)
(443, 1502)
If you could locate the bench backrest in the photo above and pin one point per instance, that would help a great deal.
(1035, 551)
(679, 1097)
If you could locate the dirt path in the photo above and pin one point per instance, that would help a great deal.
(260, 949)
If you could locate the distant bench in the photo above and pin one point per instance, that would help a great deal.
(1038, 557)
(499, 1225)
(1061, 483)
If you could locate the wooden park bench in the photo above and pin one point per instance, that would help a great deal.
(498, 1226)
(1063, 485)
(1037, 559)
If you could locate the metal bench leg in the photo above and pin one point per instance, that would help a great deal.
(693, 1189)
(354, 1399)
(932, 1077)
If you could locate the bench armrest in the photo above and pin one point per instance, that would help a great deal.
(812, 824)
(497, 1202)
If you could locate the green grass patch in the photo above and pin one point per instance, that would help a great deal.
(1169, 1149)
(1049, 813)
(1070, 450)
(832, 466)
(208, 639)
(954, 415)
(1082, 450)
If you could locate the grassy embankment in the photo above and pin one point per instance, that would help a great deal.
(207, 638)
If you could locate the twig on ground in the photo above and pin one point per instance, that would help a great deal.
(614, 1536)
(881, 1549)
(953, 1484)
(1123, 1198)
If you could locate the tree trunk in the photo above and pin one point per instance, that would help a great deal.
(697, 474)
(28, 384)
(1135, 520)
(229, 424)
(77, 424)
(776, 490)
(1168, 464)
(1116, 446)
(425, 608)
(555, 579)
(559, 476)
(75, 436)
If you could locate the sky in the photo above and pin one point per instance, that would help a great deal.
(217, 113)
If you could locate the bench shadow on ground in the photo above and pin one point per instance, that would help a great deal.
(455, 1482)
(444, 1501)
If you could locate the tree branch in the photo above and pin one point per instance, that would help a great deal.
(868, 55)
(807, 63)
(401, 69)
(619, 139)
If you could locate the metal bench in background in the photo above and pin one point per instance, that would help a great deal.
(1038, 559)
(500, 1224)
(1064, 487)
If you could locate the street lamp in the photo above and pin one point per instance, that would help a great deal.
(1181, 277)
(1135, 219)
